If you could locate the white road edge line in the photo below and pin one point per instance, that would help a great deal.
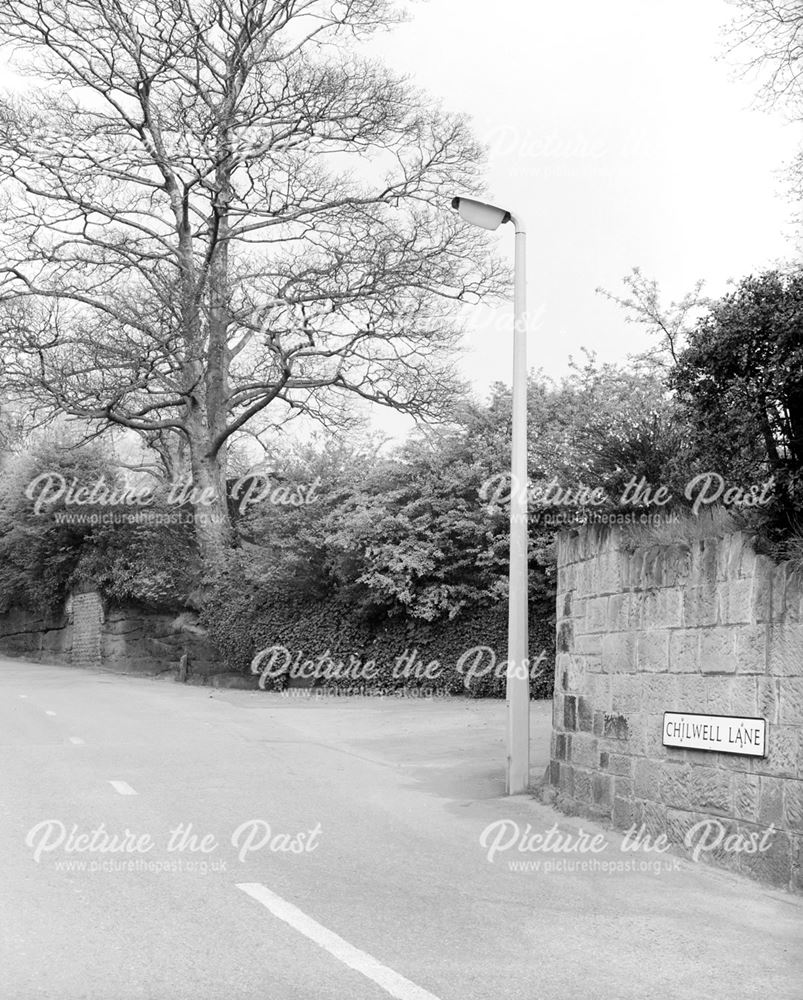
(391, 982)
(77, 741)
(122, 787)
(50, 713)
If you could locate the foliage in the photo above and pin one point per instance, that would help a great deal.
(243, 618)
(607, 426)
(741, 382)
(153, 562)
(39, 554)
(44, 553)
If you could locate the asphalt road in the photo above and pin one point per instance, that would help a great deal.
(371, 881)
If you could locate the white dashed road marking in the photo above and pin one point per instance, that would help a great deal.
(50, 713)
(391, 982)
(77, 741)
(23, 696)
(122, 788)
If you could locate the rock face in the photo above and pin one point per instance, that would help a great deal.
(706, 627)
(127, 639)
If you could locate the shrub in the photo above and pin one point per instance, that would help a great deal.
(330, 633)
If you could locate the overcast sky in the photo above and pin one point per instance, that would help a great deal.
(624, 137)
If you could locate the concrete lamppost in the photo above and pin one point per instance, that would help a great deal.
(517, 686)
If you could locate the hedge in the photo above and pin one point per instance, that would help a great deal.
(332, 642)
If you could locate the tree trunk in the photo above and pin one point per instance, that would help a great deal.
(213, 528)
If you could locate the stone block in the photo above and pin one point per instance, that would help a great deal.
(653, 651)
(684, 651)
(717, 654)
(619, 612)
(615, 727)
(662, 609)
(619, 653)
(570, 713)
(709, 789)
(770, 806)
(746, 792)
(772, 865)
(586, 579)
(743, 698)
(585, 714)
(783, 749)
(793, 805)
(564, 637)
(570, 669)
(674, 784)
(767, 698)
(586, 644)
(584, 752)
(699, 606)
(653, 738)
(598, 687)
(554, 773)
(582, 786)
(750, 649)
(778, 584)
(627, 693)
(610, 575)
(647, 777)
(691, 692)
(632, 570)
(637, 726)
(659, 694)
(653, 817)
(790, 709)
(674, 566)
(678, 822)
(785, 651)
(623, 787)
(761, 590)
(718, 694)
(596, 618)
(620, 764)
(622, 814)
(602, 792)
(735, 602)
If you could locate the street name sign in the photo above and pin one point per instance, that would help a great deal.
(723, 733)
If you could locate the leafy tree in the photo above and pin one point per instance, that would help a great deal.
(40, 552)
(741, 378)
(426, 543)
(423, 530)
(215, 207)
(147, 556)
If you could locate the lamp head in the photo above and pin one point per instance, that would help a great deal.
(480, 214)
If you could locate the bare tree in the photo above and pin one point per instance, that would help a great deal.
(767, 38)
(214, 206)
(767, 41)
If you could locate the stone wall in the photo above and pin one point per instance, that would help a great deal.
(706, 627)
(126, 639)
(85, 612)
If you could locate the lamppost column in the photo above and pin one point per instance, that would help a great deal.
(517, 687)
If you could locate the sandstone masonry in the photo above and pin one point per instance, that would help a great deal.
(706, 627)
